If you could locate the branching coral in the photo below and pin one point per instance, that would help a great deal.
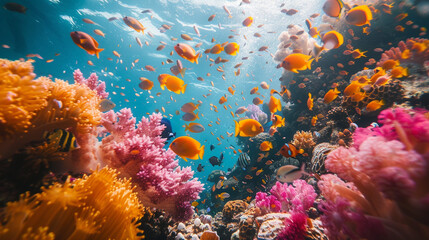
(30, 107)
(414, 50)
(303, 140)
(99, 206)
(254, 112)
(387, 168)
(137, 151)
(92, 82)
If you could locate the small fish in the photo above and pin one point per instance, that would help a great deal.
(310, 102)
(243, 161)
(194, 127)
(232, 48)
(274, 104)
(289, 173)
(248, 128)
(187, 147)
(106, 105)
(266, 146)
(15, 7)
(189, 117)
(374, 105)
(134, 24)
(257, 101)
(99, 32)
(331, 95)
(215, 161)
(313, 121)
(247, 22)
(359, 16)
(200, 167)
(187, 52)
(297, 61)
(189, 107)
(223, 195)
(65, 140)
(211, 17)
(86, 42)
(186, 37)
(289, 150)
(145, 84)
(212, 147)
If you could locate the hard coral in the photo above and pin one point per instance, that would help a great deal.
(414, 50)
(303, 140)
(99, 206)
(231, 208)
(137, 151)
(319, 155)
(92, 82)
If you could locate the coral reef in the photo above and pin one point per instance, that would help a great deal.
(92, 82)
(320, 152)
(254, 112)
(137, 151)
(387, 171)
(303, 140)
(414, 50)
(231, 208)
(96, 206)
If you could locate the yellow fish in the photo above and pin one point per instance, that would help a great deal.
(331, 95)
(266, 146)
(187, 147)
(248, 128)
(359, 16)
(173, 83)
(278, 121)
(274, 104)
(297, 61)
(310, 102)
(232, 48)
(374, 105)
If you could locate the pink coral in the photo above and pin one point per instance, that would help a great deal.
(267, 203)
(92, 82)
(299, 196)
(137, 151)
(294, 227)
(417, 47)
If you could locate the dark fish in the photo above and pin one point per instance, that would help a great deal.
(200, 168)
(212, 147)
(106, 105)
(243, 160)
(215, 161)
(168, 130)
(113, 18)
(15, 7)
(65, 140)
(221, 157)
(146, 11)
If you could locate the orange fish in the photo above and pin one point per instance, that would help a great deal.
(390, 64)
(278, 121)
(187, 52)
(194, 127)
(310, 102)
(248, 21)
(86, 42)
(216, 49)
(173, 83)
(358, 54)
(274, 104)
(145, 84)
(134, 24)
(232, 48)
(254, 90)
(257, 101)
(354, 87)
(313, 121)
(331, 40)
(231, 91)
(297, 61)
(222, 100)
(248, 177)
(359, 16)
(374, 105)
(248, 128)
(289, 150)
(399, 72)
(333, 8)
(187, 147)
(189, 107)
(331, 95)
(266, 146)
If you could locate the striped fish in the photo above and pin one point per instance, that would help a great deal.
(243, 161)
(64, 139)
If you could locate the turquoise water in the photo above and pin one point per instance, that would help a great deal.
(45, 30)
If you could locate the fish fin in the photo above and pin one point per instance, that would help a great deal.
(237, 128)
(382, 102)
(95, 42)
(163, 86)
(201, 153)
(184, 88)
(196, 58)
(197, 115)
(184, 159)
(309, 63)
(182, 72)
(294, 70)
(186, 127)
(97, 51)
(82, 41)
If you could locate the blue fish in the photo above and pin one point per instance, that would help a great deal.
(168, 130)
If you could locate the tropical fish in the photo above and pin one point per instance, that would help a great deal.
(266, 146)
(194, 127)
(248, 128)
(86, 42)
(189, 107)
(212, 147)
(65, 140)
(374, 105)
(352, 88)
(243, 161)
(187, 52)
(358, 54)
(257, 101)
(215, 161)
(333, 8)
(145, 84)
(274, 104)
(216, 49)
(359, 15)
(134, 24)
(168, 130)
(187, 147)
(278, 121)
(248, 21)
(190, 116)
(223, 195)
(172, 83)
(310, 102)
(313, 121)
(241, 110)
(331, 95)
(289, 173)
(232, 48)
(297, 61)
(289, 150)
(200, 168)
(331, 40)
(106, 105)
(399, 72)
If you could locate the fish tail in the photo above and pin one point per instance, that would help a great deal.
(309, 63)
(237, 128)
(196, 58)
(182, 72)
(184, 88)
(317, 51)
(201, 153)
(97, 51)
(186, 127)
(197, 115)
(382, 102)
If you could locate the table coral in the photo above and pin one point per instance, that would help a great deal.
(137, 151)
(98, 206)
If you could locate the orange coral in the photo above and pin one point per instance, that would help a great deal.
(29, 107)
(303, 140)
(98, 206)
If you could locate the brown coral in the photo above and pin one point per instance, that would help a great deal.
(231, 208)
(320, 153)
(247, 228)
(303, 140)
(29, 107)
(99, 206)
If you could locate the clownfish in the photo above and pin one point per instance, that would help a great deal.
(289, 150)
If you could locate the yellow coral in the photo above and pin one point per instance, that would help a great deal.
(29, 107)
(303, 140)
(99, 206)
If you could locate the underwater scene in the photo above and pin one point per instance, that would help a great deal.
(206, 120)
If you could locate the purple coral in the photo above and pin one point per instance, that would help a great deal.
(138, 153)
(92, 82)
(254, 112)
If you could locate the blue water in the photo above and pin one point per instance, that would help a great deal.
(46, 26)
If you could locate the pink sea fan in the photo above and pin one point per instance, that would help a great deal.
(299, 196)
(294, 227)
(137, 152)
(92, 82)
